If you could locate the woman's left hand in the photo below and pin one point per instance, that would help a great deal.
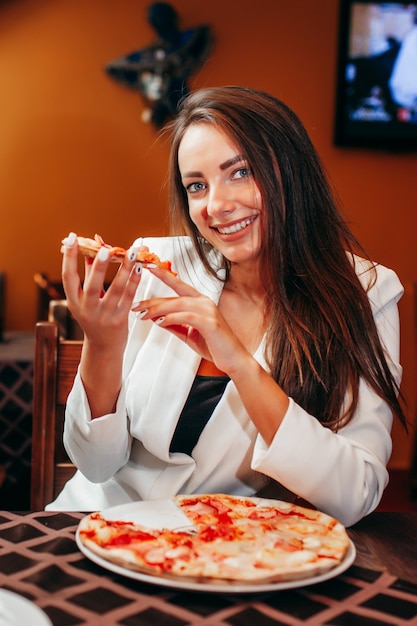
(196, 320)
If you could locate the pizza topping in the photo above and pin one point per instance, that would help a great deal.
(225, 532)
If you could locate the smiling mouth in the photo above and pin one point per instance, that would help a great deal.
(235, 228)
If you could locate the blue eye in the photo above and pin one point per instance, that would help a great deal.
(242, 172)
(195, 187)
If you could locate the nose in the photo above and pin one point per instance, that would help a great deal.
(219, 201)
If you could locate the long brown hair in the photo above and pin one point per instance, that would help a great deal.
(321, 335)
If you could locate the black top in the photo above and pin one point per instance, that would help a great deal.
(204, 395)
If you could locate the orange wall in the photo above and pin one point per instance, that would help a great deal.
(75, 155)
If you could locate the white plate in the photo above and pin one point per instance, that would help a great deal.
(160, 514)
(16, 610)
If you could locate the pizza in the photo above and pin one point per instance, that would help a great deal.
(89, 248)
(227, 538)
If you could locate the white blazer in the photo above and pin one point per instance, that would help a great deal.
(124, 456)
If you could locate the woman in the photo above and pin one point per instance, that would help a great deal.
(271, 357)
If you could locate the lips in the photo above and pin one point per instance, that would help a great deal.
(235, 228)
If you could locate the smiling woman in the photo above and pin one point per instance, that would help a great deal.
(270, 358)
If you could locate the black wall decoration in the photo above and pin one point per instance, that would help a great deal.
(159, 72)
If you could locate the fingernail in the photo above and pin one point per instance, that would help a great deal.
(138, 268)
(159, 320)
(142, 314)
(103, 253)
(70, 240)
(131, 253)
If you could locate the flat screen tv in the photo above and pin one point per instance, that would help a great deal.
(376, 99)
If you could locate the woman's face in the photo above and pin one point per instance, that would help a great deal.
(224, 201)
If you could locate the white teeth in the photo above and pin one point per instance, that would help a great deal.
(229, 230)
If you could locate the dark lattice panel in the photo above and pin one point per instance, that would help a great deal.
(15, 432)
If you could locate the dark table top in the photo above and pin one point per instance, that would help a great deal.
(39, 560)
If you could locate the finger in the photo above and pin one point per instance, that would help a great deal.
(129, 273)
(178, 285)
(96, 273)
(156, 307)
(188, 335)
(194, 305)
(70, 277)
(180, 331)
(168, 316)
(120, 293)
(130, 287)
(88, 262)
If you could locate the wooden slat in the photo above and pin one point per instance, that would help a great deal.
(43, 419)
(69, 357)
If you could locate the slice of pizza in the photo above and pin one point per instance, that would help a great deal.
(90, 247)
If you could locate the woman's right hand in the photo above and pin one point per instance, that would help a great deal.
(103, 317)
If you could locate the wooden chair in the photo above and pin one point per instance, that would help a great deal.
(55, 365)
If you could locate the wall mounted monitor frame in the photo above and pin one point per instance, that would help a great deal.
(376, 93)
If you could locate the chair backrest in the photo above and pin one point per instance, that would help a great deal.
(46, 290)
(55, 365)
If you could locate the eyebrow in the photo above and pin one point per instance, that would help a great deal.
(222, 166)
(232, 161)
